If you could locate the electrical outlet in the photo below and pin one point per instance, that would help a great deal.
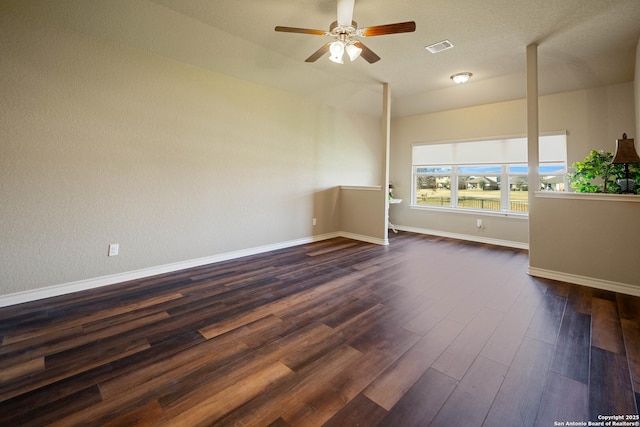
(114, 248)
(479, 223)
(314, 221)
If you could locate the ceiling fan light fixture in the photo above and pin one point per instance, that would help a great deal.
(336, 49)
(461, 78)
(353, 51)
(345, 31)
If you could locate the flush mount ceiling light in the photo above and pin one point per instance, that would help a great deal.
(461, 77)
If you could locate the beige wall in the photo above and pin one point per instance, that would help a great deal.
(102, 144)
(460, 124)
(587, 239)
(362, 213)
(592, 118)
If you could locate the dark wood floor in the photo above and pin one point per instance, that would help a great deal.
(425, 331)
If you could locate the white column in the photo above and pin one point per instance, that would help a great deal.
(386, 141)
(532, 123)
(532, 146)
(637, 95)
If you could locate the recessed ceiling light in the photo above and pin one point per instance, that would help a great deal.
(461, 77)
(440, 46)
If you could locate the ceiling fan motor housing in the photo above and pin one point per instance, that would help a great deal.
(336, 29)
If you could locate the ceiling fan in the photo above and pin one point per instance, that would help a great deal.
(345, 31)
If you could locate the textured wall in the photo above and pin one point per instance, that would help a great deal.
(592, 118)
(103, 144)
(588, 237)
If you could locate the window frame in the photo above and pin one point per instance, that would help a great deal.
(506, 176)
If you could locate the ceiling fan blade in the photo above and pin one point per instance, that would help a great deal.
(318, 53)
(300, 30)
(367, 53)
(381, 30)
(345, 12)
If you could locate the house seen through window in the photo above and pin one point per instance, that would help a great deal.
(487, 175)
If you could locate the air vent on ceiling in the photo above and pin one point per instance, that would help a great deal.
(440, 46)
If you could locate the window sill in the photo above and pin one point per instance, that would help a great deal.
(628, 198)
(474, 212)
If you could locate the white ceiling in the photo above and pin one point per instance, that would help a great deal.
(582, 43)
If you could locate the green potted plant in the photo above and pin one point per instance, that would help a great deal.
(596, 174)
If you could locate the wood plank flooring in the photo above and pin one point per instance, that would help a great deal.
(425, 331)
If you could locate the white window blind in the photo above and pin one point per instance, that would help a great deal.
(552, 148)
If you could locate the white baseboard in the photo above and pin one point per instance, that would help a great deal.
(364, 238)
(606, 285)
(81, 285)
(477, 239)
(96, 282)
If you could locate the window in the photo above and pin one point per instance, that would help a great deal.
(487, 175)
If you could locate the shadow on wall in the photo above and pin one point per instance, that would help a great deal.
(363, 213)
